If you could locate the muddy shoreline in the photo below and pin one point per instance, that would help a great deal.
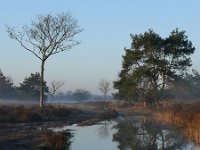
(31, 131)
(23, 135)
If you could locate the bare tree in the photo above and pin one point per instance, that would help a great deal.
(104, 87)
(48, 35)
(55, 85)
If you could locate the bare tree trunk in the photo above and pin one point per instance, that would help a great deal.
(105, 96)
(47, 36)
(41, 85)
(144, 104)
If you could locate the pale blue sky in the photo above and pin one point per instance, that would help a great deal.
(107, 27)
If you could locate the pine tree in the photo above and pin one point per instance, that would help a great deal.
(30, 88)
(151, 64)
(6, 87)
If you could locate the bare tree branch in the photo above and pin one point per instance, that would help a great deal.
(47, 36)
(55, 85)
(104, 87)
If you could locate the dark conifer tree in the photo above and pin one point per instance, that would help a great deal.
(30, 88)
(151, 64)
(6, 87)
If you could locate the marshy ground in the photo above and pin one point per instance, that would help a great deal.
(27, 126)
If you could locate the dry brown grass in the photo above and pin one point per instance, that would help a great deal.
(56, 140)
(33, 113)
(185, 116)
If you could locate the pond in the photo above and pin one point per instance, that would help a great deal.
(128, 134)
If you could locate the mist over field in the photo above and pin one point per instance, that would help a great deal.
(93, 75)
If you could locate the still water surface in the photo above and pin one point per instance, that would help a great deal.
(128, 134)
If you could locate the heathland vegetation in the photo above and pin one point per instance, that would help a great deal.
(155, 72)
(185, 116)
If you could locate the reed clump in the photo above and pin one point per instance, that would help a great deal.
(185, 116)
(55, 140)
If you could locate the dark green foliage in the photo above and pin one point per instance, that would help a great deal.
(151, 64)
(186, 87)
(146, 135)
(30, 88)
(7, 90)
(194, 83)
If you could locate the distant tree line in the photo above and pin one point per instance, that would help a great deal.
(7, 89)
(80, 95)
(29, 90)
(77, 95)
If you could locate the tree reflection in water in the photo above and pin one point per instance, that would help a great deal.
(105, 127)
(147, 135)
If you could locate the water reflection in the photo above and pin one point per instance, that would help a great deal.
(94, 137)
(127, 134)
(104, 128)
(147, 135)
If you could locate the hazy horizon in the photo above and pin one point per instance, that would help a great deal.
(107, 27)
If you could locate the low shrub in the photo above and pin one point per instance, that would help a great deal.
(108, 115)
(56, 140)
(33, 113)
(186, 116)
